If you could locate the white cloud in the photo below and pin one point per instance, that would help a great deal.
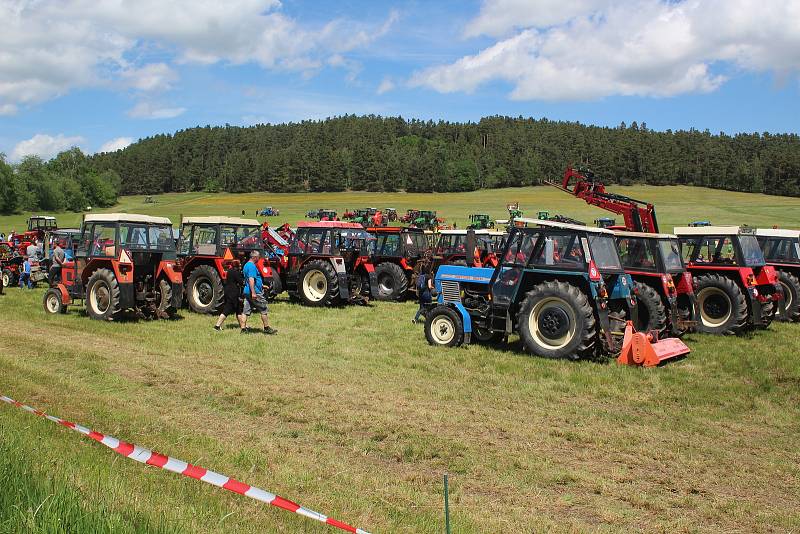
(148, 110)
(44, 146)
(8, 109)
(150, 77)
(385, 86)
(116, 144)
(49, 47)
(587, 49)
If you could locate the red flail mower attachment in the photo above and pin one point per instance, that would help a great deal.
(640, 348)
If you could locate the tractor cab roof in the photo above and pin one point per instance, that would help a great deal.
(42, 218)
(236, 221)
(778, 232)
(126, 217)
(484, 231)
(712, 230)
(625, 233)
(566, 226)
(393, 230)
(329, 224)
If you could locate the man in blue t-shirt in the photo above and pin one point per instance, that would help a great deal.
(254, 298)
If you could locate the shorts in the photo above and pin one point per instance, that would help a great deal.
(232, 306)
(257, 303)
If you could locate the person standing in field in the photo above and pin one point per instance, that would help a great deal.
(25, 275)
(254, 298)
(234, 286)
(58, 261)
(425, 289)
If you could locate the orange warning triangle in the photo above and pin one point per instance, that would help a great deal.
(124, 258)
(228, 256)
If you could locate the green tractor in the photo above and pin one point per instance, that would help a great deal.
(480, 221)
(427, 220)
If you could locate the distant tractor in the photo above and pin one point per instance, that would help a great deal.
(781, 249)
(735, 287)
(38, 228)
(9, 269)
(605, 222)
(561, 287)
(391, 214)
(396, 258)
(329, 264)
(426, 220)
(268, 211)
(206, 244)
(149, 200)
(409, 216)
(480, 221)
(122, 262)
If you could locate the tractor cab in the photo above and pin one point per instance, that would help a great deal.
(781, 249)
(329, 263)
(605, 222)
(42, 224)
(735, 286)
(452, 247)
(326, 215)
(663, 285)
(207, 245)
(426, 219)
(561, 287)
(122, 261)
(396, 257)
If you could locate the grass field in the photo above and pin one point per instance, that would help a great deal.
(350, 413)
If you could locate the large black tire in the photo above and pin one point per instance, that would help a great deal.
(8, 278)
(165, 308)
(102, 295)
(556, 321)
(444, 327)
(789, 310)
(392, 281)
(52, 302)
(768, 313)
(317, 284)
(651, 314)
(722, 307)
(204, 290)
(481, 335)
(276, 288)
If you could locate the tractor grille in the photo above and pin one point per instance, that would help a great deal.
(451, 292)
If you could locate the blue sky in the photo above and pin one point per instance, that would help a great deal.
(100, 75)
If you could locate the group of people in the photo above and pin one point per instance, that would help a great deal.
(244, 293)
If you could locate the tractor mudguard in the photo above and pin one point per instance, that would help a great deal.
(344, 286)
(169, 271)
(65, 296)
(465, 318)
(127, 295)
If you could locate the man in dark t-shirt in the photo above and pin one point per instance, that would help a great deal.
(234, 284)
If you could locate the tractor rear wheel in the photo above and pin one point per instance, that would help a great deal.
(102, 295)
(8, 278)
(790, 309)
(204, 290)
(52, 302)
(556, 321)
(651, 314)
(722, 305)
(444, 327)
(165, 308)
(318, 283)
(392, 281)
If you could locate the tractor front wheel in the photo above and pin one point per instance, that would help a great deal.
(651, 314)
(52, 302)
(392, 281)
(204, 290)
(319, 285)
(102, 290)
(444, 327)
(722, 305)
(8, 278)
(789, 310)
(556, 321)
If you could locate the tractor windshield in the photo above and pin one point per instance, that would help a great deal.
(160, 238)
(452, 244)
(604, 252)
(671, 255)
(248, 237)
(358, 241)
(637, 253)
(751, 251)
(416, 242)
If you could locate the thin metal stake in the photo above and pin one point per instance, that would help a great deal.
(446, 507)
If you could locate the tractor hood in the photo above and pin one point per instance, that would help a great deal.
(458, 273)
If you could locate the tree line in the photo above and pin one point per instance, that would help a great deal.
(69, 181)
(373, 153)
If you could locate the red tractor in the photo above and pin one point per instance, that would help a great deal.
(205, 245)
(38, 228)
(781, 249)
(329, 264)
(396, 258)
(735, 287)
(663, 285)
(122, 262)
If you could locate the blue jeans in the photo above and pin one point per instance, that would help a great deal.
(25, 279)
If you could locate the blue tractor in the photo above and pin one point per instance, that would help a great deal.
(561, 287)
(268, 211)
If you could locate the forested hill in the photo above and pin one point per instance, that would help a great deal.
(389, 154)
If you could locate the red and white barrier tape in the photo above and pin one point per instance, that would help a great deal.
(146, 456)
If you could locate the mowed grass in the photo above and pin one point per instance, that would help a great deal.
(349, 412)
